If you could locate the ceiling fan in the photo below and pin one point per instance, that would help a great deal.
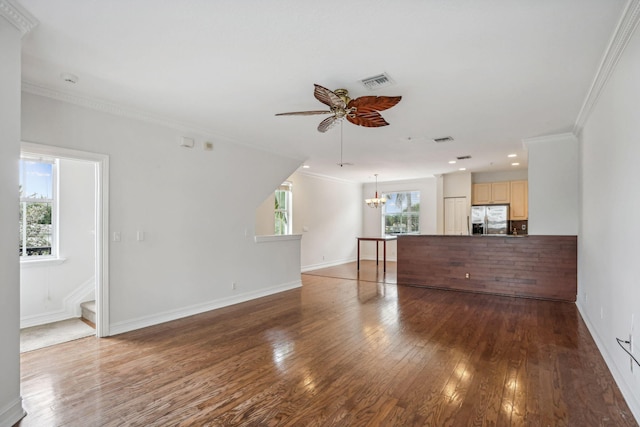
(361, 111)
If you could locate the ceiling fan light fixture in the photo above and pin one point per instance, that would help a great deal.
(362, 111)
(376, 201)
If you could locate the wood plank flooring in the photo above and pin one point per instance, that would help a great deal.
(337, 352)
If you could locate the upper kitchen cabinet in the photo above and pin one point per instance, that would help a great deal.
(491, 193)
(519, 209)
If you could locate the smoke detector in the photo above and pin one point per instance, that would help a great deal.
(377, 82)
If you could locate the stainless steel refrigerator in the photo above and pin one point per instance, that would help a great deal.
(490, 219)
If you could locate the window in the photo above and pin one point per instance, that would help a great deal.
(401, 213)
(283, 196)
(38, 233)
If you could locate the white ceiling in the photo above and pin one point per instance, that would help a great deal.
(488, 73)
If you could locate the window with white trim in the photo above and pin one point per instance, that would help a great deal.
(401, 213)
(283, 209)
(38, 205)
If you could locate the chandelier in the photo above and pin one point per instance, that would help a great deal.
(376, 201)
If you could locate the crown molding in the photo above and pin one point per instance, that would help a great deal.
(110, 108)
(130, 113)
(621, 36)
(558, 137)
(17, 15)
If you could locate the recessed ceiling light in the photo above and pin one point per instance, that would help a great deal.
(512, 155)
(452, 162)
(305, 166)
(515, 164)
(462, 169)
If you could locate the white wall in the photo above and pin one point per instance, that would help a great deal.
(265, 221)
(10, 401)
(457, 184)
(500, 176)
(608, 244)
(196, 209)
(553, 185)
(44, 289)
(372, 217)
(327, 212)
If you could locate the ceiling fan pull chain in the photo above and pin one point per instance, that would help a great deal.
(341, 163)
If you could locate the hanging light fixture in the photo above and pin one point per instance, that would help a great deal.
(376, 201)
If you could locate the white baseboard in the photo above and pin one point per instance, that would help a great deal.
(373, 258)
(71, 304)
(44, 318)
(167, 316)
(625, 389)
(12, 413)
(311, 267)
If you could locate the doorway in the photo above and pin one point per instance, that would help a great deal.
(76, 268)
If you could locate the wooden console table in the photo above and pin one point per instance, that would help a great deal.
(384, 240)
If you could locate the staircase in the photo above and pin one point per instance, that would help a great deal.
(88, 309)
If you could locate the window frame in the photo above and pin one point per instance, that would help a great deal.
(413, 213)
(286, 187)
(54, 256)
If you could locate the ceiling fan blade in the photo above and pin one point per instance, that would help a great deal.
(374, 103)
(369, 119)
(304, 113)
(327, 124)
(327, 97)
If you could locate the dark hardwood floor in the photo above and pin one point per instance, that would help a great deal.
(337, 352)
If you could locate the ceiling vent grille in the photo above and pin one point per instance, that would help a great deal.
(377, 82)
(463, 157)
(443, 139)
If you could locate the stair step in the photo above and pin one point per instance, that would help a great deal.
(88, 309)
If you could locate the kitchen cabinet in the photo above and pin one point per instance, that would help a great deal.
(519, 209)
(481, 194)
(491, 193)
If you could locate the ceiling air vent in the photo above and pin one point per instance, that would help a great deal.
(377, 82)
(463, 157)
(443, 139)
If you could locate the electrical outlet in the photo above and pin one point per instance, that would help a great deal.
(601, 312)
(233, 285)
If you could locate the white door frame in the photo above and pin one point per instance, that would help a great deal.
(101, 162)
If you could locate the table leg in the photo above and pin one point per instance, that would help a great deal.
(358, 254)
(377, 248)
(384, 259)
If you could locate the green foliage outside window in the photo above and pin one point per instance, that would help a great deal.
(37, 179)
(282, 212)
(35, 220)
(402, 213)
